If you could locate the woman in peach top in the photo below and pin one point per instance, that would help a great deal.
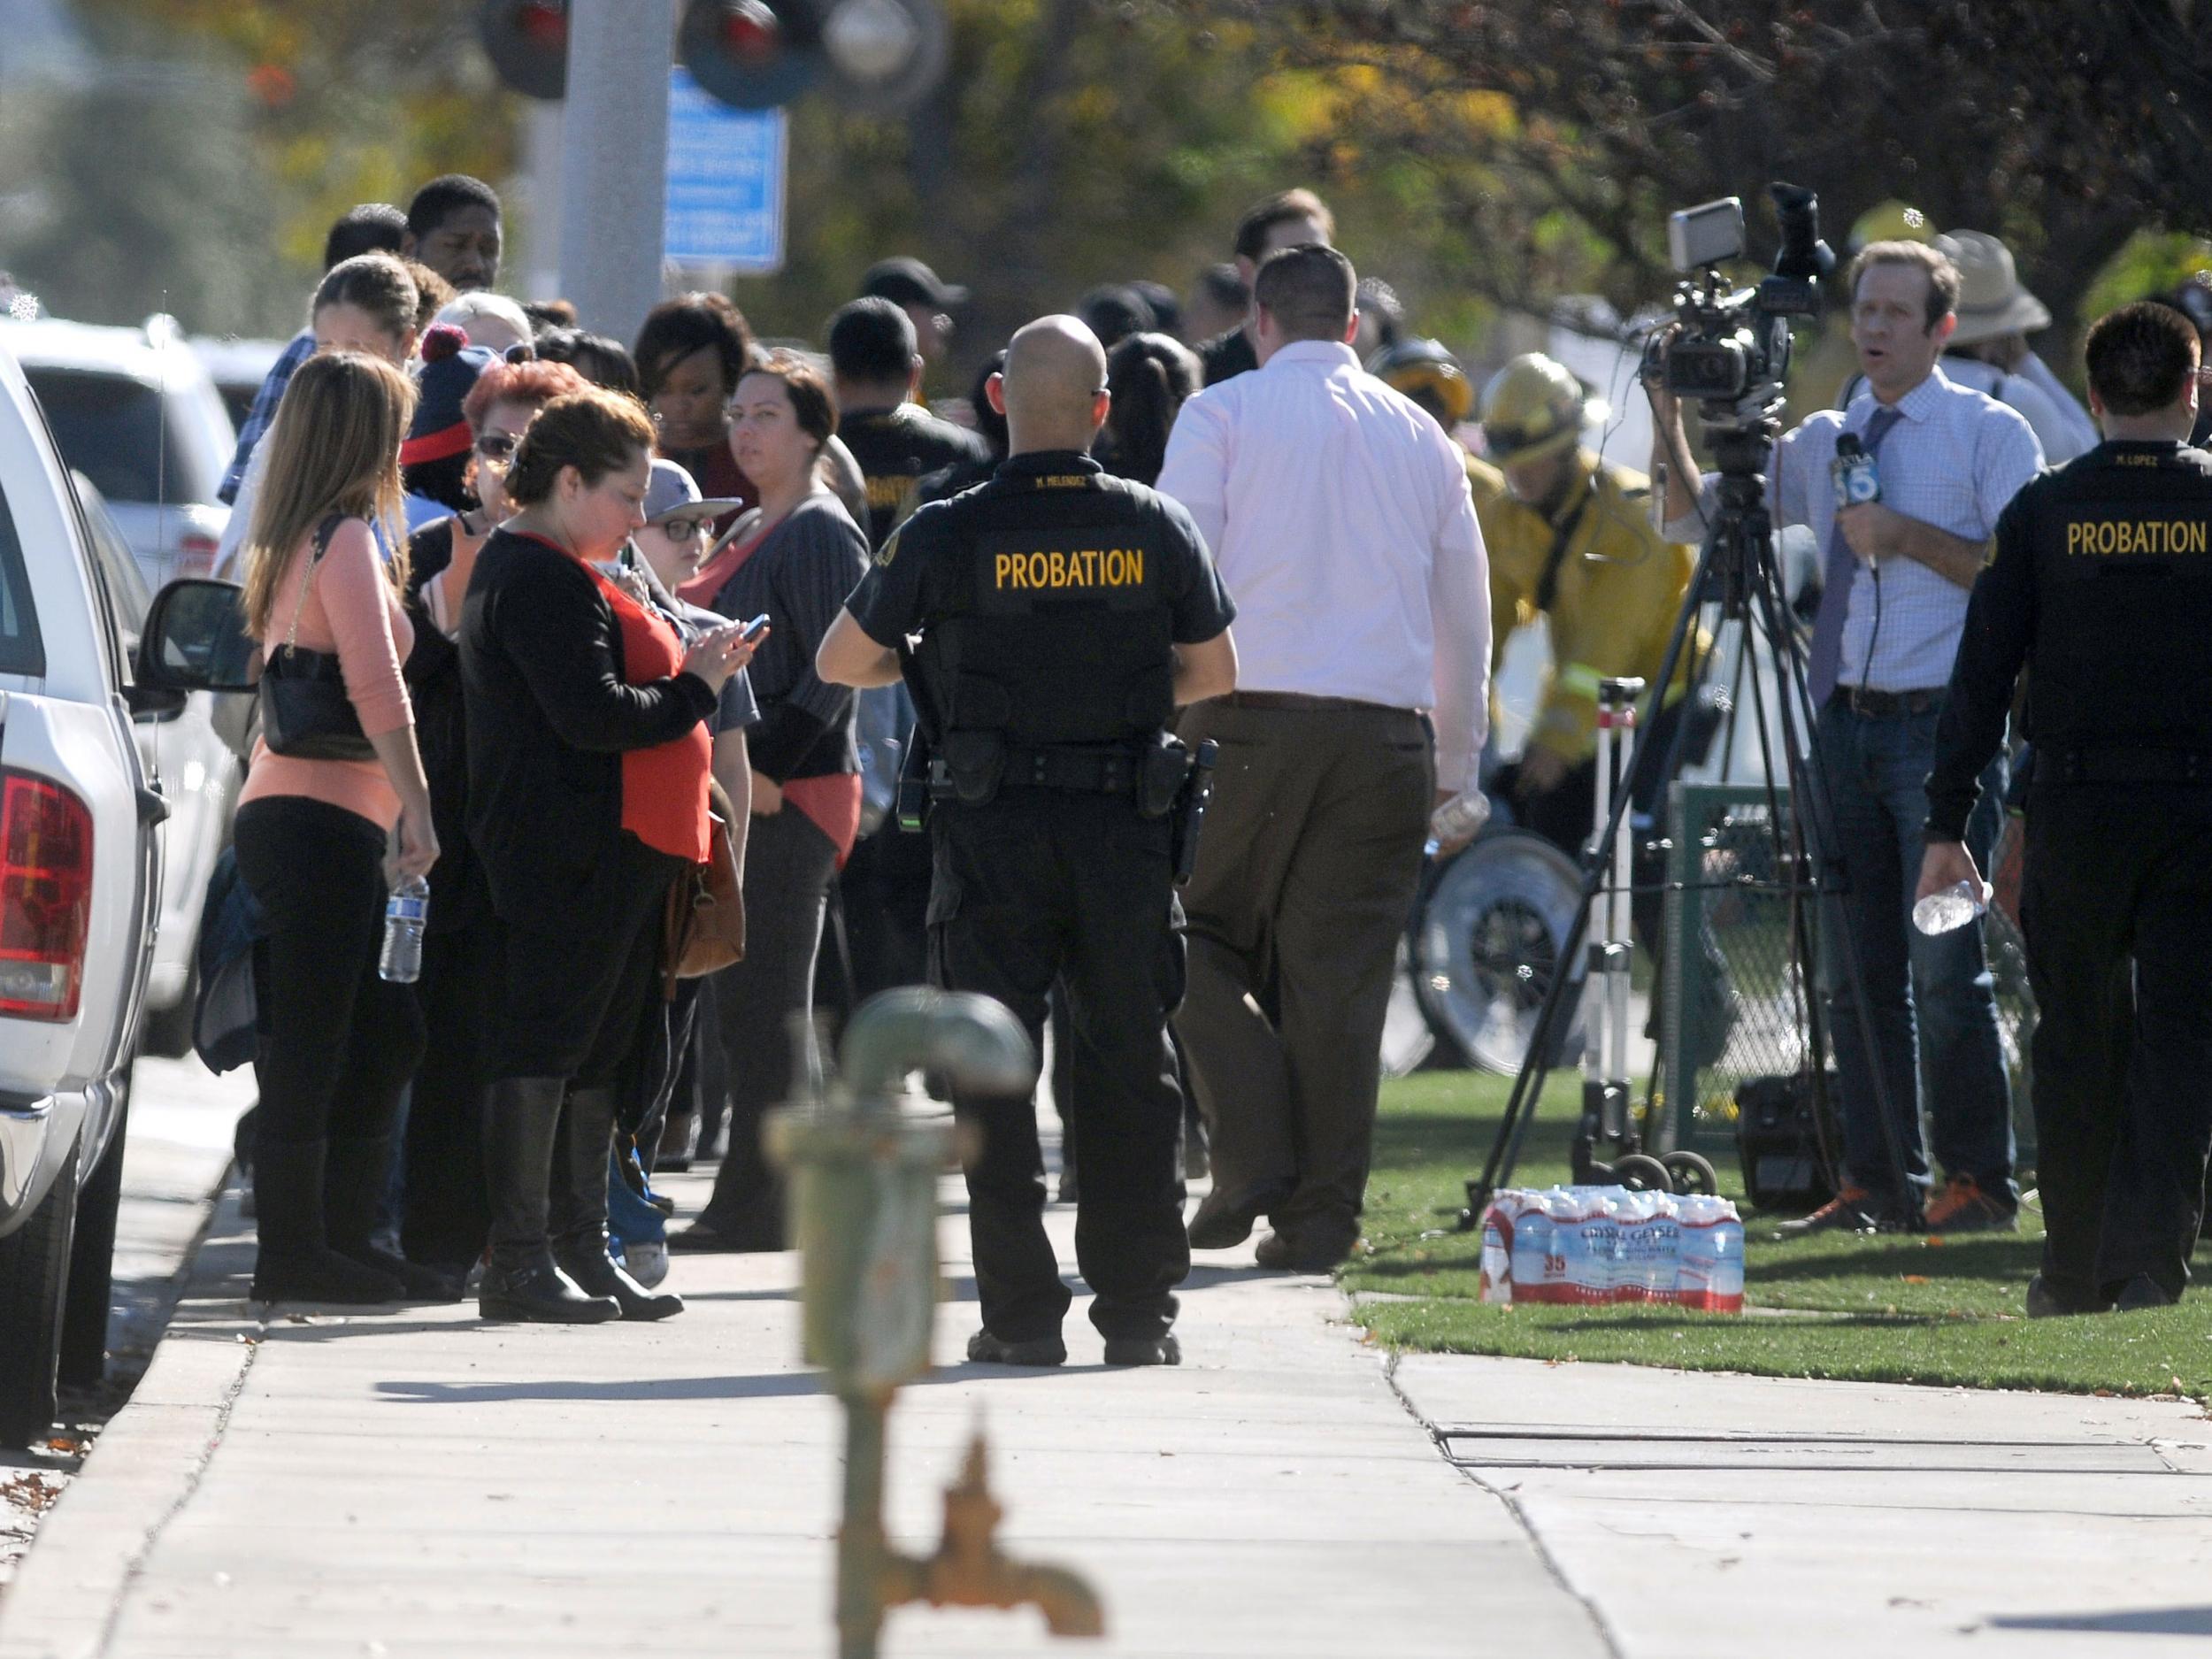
(337, 1043)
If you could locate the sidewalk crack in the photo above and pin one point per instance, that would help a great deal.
(1513, 1507)
(143, 1554)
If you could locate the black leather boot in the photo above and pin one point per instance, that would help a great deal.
(295, 1262)
(520, 1280)
(353, 1184)
(579, 1207)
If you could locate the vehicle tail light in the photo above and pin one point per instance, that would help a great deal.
(45, 897)
(196, 553)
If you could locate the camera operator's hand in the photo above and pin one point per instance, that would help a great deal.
(1873, 531)
(1666, 407)
(1671, 456)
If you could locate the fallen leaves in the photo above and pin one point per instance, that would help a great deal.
(34, 1490)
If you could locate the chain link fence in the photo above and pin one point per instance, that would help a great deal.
(1735, 1004)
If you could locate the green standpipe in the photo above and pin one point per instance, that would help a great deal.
(863, 1202)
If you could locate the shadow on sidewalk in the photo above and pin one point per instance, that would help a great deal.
(2152, 1621)
(646, 1391)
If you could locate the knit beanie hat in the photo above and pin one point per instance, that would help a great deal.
(449, 368)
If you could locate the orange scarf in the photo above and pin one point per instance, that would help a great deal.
(664, 787)
(713, 575)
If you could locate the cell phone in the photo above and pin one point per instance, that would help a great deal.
(752, 630)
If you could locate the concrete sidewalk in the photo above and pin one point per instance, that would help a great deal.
(173, 1159)
(1705, 1515)
(416, 1483)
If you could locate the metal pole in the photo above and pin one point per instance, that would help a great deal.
(540, 267)
(614, 160)
(860, 1540)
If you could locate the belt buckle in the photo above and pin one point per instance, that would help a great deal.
(1854, 699)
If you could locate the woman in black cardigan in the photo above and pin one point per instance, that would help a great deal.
(587, 795)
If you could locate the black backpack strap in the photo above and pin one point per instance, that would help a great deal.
(1562, 536)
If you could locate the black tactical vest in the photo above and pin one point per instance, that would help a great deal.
(2123, 640)
(1055, 626)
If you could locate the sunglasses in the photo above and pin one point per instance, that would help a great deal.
(684, 529)
(498, 448)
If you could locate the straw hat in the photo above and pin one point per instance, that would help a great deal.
(1990, 300)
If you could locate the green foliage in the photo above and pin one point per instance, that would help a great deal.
(1881, 1309)
(218, 139)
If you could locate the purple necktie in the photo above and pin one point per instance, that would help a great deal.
(1835, 593)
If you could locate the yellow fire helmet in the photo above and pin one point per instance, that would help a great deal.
(1891, 222)
(1532, 407)
(1428, 373)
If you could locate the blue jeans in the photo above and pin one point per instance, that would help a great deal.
(1930, 999)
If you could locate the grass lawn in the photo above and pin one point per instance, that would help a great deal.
(1877, 1310)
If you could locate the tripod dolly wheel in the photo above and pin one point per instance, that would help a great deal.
(1642, 1173)
(1691, 1174)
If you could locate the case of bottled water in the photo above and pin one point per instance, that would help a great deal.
(1598, 1245)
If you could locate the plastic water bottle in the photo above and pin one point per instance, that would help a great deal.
(1496, 1286)
(1952, 907)
(1532, 1249)
(1457, 819)
(1591, 1240)
(1711, 1273)
(405, 915)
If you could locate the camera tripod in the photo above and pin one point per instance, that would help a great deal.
(1736, 566)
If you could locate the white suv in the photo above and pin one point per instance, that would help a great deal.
(136, 411)
(80, 880)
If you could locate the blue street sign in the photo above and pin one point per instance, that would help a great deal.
(725, 181)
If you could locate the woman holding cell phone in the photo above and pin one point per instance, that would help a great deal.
(797, 560)
(588, 757)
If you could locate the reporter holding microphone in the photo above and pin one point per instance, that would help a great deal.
(1946, 460)
(588, 760)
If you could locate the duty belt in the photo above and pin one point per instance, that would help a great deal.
(1074, 771)
(1884, 705)
(2122, 765)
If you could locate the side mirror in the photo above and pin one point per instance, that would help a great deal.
(196, 639)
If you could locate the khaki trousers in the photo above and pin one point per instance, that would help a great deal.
(1306, 875)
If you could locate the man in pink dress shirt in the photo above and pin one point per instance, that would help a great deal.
(1342, 524)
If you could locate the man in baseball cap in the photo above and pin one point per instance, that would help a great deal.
(908, 282)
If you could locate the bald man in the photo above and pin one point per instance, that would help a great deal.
(1049, 622)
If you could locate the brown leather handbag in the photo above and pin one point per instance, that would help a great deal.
(705, 921)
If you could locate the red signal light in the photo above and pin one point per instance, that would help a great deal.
(543, 24)
(752, 32)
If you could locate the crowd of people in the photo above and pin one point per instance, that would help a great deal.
(603, 615)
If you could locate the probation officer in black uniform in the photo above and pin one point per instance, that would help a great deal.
(2103, 587)
(1062, 617)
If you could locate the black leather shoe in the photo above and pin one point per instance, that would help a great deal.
(1144, 1351)
(1303, 1252)
(596, 1275)
(1225, 1219)
(323, 1276)
(421, 1281)
(985, 1349)
(295, 1261)
(2140, 1293)
(2049, 1301)
(578, 1220)
(538, 1293)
